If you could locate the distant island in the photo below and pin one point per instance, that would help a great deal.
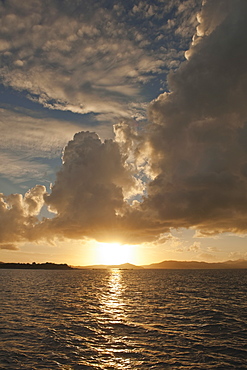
(165, 265)
(35, 266)
(195, 265)
(176, 265)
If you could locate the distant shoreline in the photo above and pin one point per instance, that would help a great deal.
(35, 266)
(164, 265)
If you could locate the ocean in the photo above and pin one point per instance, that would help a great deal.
(123, 319)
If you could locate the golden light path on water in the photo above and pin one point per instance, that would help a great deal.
(113, 309)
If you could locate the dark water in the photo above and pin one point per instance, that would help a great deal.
(153, 319)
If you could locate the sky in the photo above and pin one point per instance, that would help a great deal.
(123, 131)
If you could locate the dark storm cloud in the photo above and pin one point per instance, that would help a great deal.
(199, 132)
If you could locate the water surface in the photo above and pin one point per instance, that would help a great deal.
(123, 319)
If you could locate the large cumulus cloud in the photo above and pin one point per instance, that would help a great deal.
(92, 192)
(88, 193)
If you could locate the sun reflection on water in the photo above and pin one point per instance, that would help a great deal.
(111, 300)
(114, 319)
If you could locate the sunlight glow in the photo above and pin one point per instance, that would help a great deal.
(114, 253)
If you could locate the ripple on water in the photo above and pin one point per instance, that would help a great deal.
(123, 319)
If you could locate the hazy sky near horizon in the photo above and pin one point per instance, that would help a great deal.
(123, 130)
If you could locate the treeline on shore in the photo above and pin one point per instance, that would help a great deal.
(36, 266)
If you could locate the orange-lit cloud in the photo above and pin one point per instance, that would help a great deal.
(10, 247)
(18, 215)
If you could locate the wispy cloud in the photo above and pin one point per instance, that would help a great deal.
(29, 143)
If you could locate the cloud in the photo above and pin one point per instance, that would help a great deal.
(29, 143)
(34, 134)
(91, 197)
(19, 169)
(195, 247)
(237, 255)
(83, 58)
(198, 137)
(87, 196)
(187, 169)
(10, 247)
(18, 215)
(207, 257)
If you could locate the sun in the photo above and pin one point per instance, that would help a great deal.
(114, 253)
